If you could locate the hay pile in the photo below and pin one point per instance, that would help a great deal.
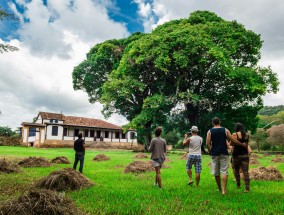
(7, 167)
(278, 159)
(140, 155)
(43, 202)
(101, 157)
(168, 160)
(184, 157)
(266, 155)
(139, 167)
(60, 160)
(65, 179)
(254, 155)
(34, 162)
(265, 174)
(253, 161)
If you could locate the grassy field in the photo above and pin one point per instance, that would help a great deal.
(118, 193)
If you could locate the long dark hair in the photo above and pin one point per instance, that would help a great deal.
(240, 128)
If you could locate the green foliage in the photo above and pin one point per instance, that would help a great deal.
(172, 137)
(204, 64)
(271, 110)
(276, 136)
(266, 121)
(6, 131)
(260, 139)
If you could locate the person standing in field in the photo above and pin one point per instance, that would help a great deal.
(79, 147)
(240, 156)
(216, 142)
(194, 154)
(158, 149)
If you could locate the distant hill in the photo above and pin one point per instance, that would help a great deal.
(270, 110)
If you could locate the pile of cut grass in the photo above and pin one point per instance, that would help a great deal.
(63, 180)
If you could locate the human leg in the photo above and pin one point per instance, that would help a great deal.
(188, 168)
(215, 170)
(81, 158)
(218, 182)
(224, 166)
(198, 168)
(245, 168)
(237, 165)
(158, 176)
(75, 162)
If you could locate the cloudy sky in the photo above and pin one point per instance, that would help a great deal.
(54, 36)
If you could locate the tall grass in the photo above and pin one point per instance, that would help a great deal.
(118, 193)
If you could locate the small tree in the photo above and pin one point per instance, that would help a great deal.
(260, 137)
(6, 131)
(276, 136)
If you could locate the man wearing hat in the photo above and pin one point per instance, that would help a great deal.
(194, 154)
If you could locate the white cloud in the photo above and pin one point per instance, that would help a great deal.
(39, 76)
(44, 29)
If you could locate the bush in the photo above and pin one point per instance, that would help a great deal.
(6, 131)
(171, 137)
(179, 145)
(276, 135)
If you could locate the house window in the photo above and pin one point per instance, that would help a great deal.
(86, 133)
(32, 132)
(132, 135)
(98, 134)
(92, 133)
(123, 136)
(54, 131)
(76, 132)
(116, 135)
(106, 134)
(65, 132)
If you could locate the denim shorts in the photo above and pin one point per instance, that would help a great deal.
(195, 160)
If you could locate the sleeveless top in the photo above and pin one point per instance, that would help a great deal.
(239, 150)
(219, 141)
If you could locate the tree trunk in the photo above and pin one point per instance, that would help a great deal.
(147, 135)
(192, 114)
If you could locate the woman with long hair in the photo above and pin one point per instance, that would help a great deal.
(241, 156)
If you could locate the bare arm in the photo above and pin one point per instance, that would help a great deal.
(235, 142)
(208, 141)
(151, 146)
(186, 140)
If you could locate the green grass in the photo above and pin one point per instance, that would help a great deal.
(118, 193)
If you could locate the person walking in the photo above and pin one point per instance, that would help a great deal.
(79, 147)
(194, 143)
(158, 149)
(216, 142)
(240, 157)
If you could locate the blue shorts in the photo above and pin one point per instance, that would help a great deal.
(196, 161)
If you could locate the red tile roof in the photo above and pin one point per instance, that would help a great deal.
(47, 115)
(79, 121)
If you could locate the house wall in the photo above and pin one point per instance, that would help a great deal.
(49, 132)
(70, 143)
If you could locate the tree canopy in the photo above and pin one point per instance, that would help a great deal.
(198, 67)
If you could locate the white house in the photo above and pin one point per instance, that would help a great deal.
(55, 128)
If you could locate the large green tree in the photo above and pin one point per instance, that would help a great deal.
(202, 65)
(6, 15)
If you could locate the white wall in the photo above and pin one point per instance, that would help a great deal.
(25, 135)
(48, 121)
(49, 130)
